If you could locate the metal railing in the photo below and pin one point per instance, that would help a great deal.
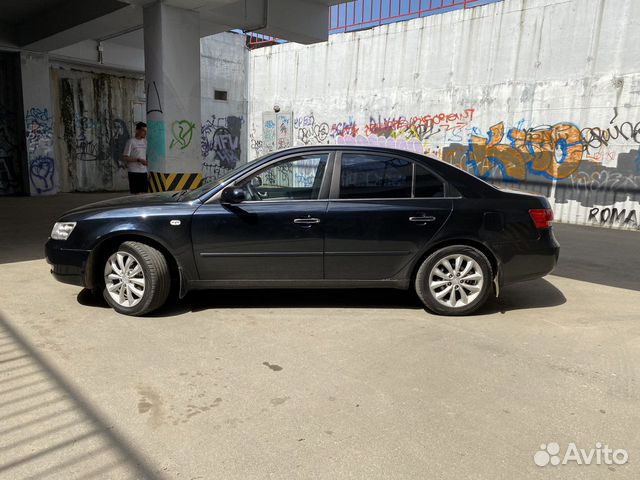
(363, 14)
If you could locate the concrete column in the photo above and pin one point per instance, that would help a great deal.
(36, 99)
(172, 71)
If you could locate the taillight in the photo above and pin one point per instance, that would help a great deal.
(542, 217)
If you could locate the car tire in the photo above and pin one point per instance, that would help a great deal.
(461, 289)
(136, 279)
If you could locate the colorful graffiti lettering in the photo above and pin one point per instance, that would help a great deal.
(344, 129)
(552, 151)
(559, 160)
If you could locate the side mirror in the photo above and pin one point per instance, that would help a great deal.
(233, 195)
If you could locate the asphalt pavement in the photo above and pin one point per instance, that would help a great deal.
(317, 384)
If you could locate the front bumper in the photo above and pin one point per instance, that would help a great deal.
(67, 265)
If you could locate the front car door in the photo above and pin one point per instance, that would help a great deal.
(384, 210)
(276, 234)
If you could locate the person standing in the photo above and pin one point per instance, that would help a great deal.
(135, 154)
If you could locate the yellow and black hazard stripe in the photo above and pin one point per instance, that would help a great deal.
(163, 182)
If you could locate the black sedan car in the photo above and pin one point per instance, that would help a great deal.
(312, 217)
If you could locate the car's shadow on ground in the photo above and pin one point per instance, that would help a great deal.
(527, 295)
(524, 296)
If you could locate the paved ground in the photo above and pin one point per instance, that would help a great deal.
(322, 384)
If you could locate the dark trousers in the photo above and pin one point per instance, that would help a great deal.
(138, 182)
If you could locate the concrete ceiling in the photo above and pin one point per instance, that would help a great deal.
(16, 13)
(45, 25)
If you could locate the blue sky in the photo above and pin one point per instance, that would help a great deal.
(370, 12)
(361, 14)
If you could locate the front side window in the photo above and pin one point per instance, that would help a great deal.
(296, 178)
(365, 176)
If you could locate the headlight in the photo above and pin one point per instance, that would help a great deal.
(62, 230)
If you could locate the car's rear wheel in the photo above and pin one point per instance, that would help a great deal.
(455, 280)
(136, 279)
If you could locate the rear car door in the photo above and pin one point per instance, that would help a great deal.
(276, 234)
(383, 211)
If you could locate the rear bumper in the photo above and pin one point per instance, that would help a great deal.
(67, 265)
(529, 260)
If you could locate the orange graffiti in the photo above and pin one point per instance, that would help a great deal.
(555, 151)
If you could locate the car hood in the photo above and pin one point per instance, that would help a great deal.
(135, 201)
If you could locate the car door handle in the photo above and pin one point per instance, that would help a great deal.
(306, 221)
(422, 219)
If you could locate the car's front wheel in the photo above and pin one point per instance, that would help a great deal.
(455, 280)
(136, 279)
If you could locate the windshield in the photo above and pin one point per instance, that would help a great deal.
(190, 195)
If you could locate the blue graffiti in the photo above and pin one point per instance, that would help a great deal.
(41, 172)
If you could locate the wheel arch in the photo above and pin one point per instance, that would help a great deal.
(108, 244)
(491, 256)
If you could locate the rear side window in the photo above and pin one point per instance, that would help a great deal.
(426, 184)
(371, 176)
(379, 176)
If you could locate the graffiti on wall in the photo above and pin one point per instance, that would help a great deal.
(594, 166)
(257, 144)
(153, 98)
(308, 132)
(284, 130)
(596, 138)
(94, 122)
(41, 174)
(614, 217)
(449, 127)
(551, 151)
(269, 135)
(39, 129)
(220, 144)
(182, 134)
(39, 140)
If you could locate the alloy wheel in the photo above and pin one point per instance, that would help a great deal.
(456, 281)
(124, 279)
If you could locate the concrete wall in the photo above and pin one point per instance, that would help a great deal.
(223, 67)
(540, 95)
(36, 96)
(79, 116)
(94, 114)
